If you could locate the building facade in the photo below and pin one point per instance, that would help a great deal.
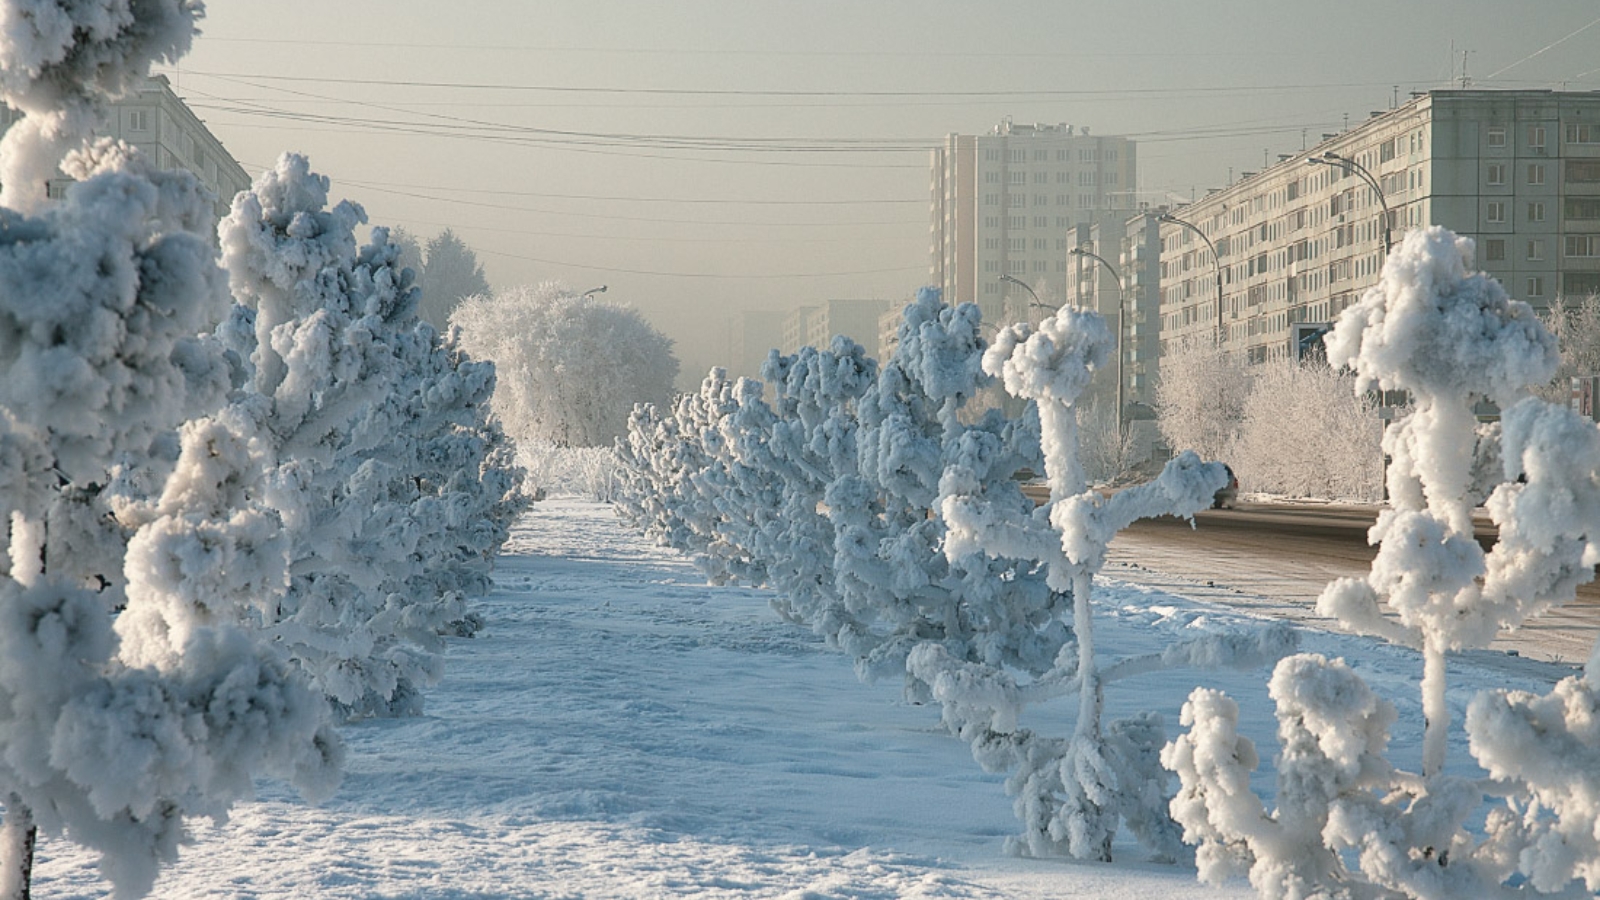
(1007, 203)
(816, 325)
(170, 135)
(1129, 298)
(1294, 244)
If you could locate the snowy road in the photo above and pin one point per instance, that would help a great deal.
(622, 730)
(1276, 559)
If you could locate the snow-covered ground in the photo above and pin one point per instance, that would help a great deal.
(622, 730)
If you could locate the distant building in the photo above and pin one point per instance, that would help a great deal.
(759, 332)
(1129, 299)
(815, 326)
(1007, 203)
(1517, 171)
(156, 121)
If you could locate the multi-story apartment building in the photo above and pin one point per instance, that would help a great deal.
(1129, 297)
(815, 326)
(160, 124)
(1518, 171)
(1006, 203)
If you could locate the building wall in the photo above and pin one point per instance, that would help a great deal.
(1006, 203)
(168, 132)
(1517, 171)
(1129, 300)
(759, 332)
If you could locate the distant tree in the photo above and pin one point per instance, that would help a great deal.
(1200, 397)
(570, 368)
(1575, 322)
(410, 257)
(1305, 431)
(451, 272)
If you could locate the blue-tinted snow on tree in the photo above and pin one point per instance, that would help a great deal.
(166, 562)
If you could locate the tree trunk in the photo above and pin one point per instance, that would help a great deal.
(17, 837)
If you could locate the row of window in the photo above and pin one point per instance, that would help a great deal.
(1494, 211)
(1020, 201)
(1020, 154)
(1020, 266)
(1495, 174)
(1019, 222)
(1017, 179)
(1018, 245)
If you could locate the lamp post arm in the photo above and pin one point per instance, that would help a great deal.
(1216, 263)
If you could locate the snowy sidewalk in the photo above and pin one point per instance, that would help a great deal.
(622, 730)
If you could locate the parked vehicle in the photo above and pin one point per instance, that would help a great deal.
(1228, 495)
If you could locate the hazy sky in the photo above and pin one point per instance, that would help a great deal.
(702, 156)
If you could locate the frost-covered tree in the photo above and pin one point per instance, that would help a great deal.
(112, 736)
(1575, 322)
(1304, 431)
(1199, 397)
(368, 416)
(570, 368)
(1109, 449)
(1074, 793)
(451, 274)
(1450, 337)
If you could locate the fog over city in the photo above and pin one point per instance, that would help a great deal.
(708, 156)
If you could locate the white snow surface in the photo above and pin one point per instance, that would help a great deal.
(620, 729)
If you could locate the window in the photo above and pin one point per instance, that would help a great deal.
(1386, 150)
(1063, 178)
(1111, 178)
(1535, 286)
(1497, 135)
(991, 265)
(1063, 155)
(1536, 211)
(1018, 156)
(1495, 174)
(1041, 221)
(1535, 251)
(1494, 249)
(1536, 137)
(1582, 133)
(991, 155)
(991, 199)
(1040, 244)
(1017, 201)
(1583, 171)
(1041, 156)
(1017, 245)
(991, 287)
(1041, 200)
(1061, 221)
(991, 221)
(1086, 179)
(1494, 211)
(1583, 245)
(1536, 173)
(991, 177)
(1040, 265)
(1017, 266)
(1111, 154)
(1041, 178)
(1582, 208)
(1018, 178)
(139, 120)
(991, 243)
(1063, 199)
(1016, 221)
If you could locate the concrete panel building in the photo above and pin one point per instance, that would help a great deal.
(1517, 171)
(161, 125)
(816, 325)
(1007, 203)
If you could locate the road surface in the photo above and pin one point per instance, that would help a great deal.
(1276, 559)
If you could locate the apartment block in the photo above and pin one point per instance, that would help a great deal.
(815, 325)
(1517, 171)
(1007, 203)
(160, 124)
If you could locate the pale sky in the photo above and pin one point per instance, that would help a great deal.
(704, 156)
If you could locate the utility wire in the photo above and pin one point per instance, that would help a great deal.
(1541, 50)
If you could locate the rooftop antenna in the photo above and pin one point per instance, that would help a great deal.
(1396, 97)
(1466, 80)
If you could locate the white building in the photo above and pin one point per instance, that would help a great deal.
(1518, 171)
(816, 325)
(1006, 203)
(156, 121)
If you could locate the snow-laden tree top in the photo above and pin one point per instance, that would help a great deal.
(62, 62)
(1433, 327)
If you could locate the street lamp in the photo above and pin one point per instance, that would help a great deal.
(1349, 165)
(1024, 285)
(1122, 324)
(1216, 264)
(592, 291)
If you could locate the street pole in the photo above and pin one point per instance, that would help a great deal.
(1349, 165)
(1036, 302)
(1122, 325)
(592, 291)
(1222, 335)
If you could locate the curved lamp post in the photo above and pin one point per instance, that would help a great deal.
(1121, 323)
(1024, 285)
(1216, 264)
(1349, 165)
(592, 291)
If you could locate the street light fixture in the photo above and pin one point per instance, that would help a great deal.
(1349, 165)
(1121, 323)
(1024, 285)
(1216, 264)
(592, 291)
